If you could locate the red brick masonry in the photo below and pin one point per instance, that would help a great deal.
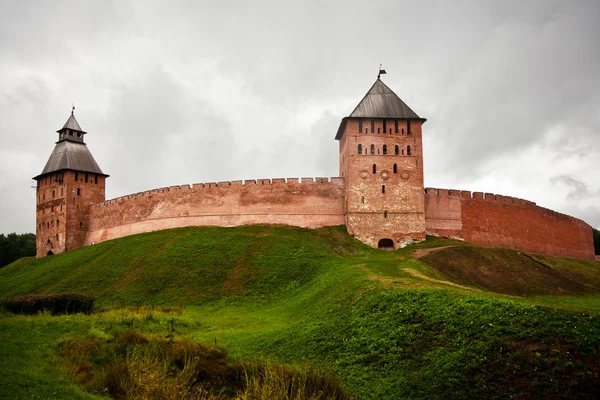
(486, 219)
(309, 203)
(502, 221)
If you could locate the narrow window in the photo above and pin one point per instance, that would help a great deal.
(385, 214)
(360, 127)
(402, 151)
(362, 199)
(384, 126)
(408, 150)
(395, 126)
(44, 196)
(395, 168)
(78, 134)
(81, 224)
(76, 176)
(382, 188)
(86, 177)
(60, 206)
(366, 130)
(52, 209)
(79, 190)
(372, 149)
(360, 149)
(57, 236)
(374, 168)
(61, 192)
(96, 179)
(53, 194)
(396, 150)
(385, 149)
(373, 125)
(408, 132)
(57, 223)
(403, 131)
(378, 130)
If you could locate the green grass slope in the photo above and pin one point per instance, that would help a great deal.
(391, 324)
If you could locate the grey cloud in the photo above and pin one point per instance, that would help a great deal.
(182, 92)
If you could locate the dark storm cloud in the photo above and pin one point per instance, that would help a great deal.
(185, 92)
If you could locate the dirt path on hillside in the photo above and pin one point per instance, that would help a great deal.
(419, 275)
(388, 280)
(423, 252)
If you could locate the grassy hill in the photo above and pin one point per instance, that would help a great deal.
(442, 319)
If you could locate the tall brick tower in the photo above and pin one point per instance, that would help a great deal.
(381, 160)
(68, 184)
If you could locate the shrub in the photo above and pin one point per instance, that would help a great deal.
(134, 365)
(58, 303)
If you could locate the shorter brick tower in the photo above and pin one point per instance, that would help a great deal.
(381, 160)
(68, 184)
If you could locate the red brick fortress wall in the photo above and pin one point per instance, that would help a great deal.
(495, 220)
(443, 212)
(309, 203)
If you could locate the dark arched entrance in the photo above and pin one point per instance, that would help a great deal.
(386, 244)
(50, 253)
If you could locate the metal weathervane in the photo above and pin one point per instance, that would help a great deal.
(381, 71)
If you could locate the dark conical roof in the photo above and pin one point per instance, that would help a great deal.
(381, 102)
(70, 152)
(71, 124)
(71, 156)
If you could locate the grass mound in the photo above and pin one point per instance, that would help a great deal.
(512, 272)
(188, 265)
(134, 365)
(389, 324)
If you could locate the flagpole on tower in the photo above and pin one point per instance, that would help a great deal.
(381, 72)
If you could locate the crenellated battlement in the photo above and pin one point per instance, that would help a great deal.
(200, 187)
(497, 199)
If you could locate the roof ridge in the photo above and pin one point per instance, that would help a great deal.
(382, 102)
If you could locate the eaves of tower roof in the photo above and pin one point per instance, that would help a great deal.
(380, 102)
(71, 156)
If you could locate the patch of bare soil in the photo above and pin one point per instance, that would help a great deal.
(419, 275)
(503, 271)
(419, 253)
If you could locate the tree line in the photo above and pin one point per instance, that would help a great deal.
(13, 247)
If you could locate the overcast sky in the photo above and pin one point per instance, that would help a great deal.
(200, 91)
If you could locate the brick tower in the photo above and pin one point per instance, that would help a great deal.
(68, 184)
(381, 160)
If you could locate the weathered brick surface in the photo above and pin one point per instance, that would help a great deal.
(371, 213)
(503, 221)
(519, 224)
(309, 203)
(443, 212)
(63, 211)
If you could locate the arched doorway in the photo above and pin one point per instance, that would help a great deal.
(386, 244)
(50, 253)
